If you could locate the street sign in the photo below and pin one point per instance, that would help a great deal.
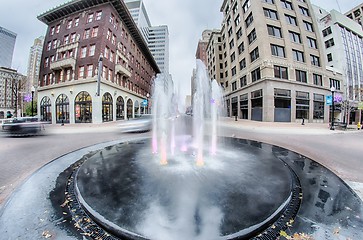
(328, 100)
(360, 105)
(144, 102)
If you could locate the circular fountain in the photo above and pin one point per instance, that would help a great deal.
(237, 193)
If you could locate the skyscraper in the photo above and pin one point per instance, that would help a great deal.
(35, 56)
(157, 37)
(7, 43)
(158, 42)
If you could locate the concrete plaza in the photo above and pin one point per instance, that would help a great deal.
(340, 151)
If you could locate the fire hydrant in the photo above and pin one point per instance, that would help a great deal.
(358, 125)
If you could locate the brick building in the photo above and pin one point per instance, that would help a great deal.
(83, 37)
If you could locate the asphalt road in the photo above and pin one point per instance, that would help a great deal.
(341, 152)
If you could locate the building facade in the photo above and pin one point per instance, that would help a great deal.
(7, 44)
(34, 60)
(201, 52)
(11, 87)
(158, 43)
(343, 44)
(356, 14)
(274, 69)
(95, 64)
(157, 37)
(215, 57)
(138, 12)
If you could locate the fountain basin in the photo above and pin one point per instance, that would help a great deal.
(239, 193)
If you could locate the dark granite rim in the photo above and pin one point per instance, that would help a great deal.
(97, 228)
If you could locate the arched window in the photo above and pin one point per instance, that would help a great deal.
(137, 107)
(83, 108)
(107, 107)
(120, 108)
(45, 109)
(129, 108)
(62, 109)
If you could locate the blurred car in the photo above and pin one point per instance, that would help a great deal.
(22, 126)
(142, 123)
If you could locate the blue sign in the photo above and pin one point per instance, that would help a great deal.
(329, 100)
(144, 102)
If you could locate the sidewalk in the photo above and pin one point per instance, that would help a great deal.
(82, 127)
(286, 127)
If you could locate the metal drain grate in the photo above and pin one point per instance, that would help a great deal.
(81, 219)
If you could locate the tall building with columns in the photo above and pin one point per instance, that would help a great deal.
(273, 67)
(96, 66)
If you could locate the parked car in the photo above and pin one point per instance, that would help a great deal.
(22, 126)
(141, 123)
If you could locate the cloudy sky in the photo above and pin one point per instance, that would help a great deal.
(186, 21)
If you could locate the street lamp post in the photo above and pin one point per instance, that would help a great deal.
(332, 89)
(32, 90)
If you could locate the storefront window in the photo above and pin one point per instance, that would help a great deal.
(45, 109)
(137, 107)
(318, 106)
(282, 102)
(83, 108)
(107, 108)
(302, 105)
(257, 105)
(120, 108)
(129, 108)
(62, 109)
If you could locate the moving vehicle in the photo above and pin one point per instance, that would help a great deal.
(142, 123)
(22, 126)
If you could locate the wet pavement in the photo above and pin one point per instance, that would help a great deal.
(329, 208)
(33, 217)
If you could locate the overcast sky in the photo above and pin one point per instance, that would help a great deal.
(186, 21)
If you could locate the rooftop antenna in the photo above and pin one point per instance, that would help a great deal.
(340, 10)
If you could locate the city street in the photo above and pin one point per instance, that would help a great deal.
(340, 151)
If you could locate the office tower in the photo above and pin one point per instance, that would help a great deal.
(7, 43)
(356, 14)
(157, 37)
(35, 56)
(158, 43)
(95, 64)
(343, 44)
